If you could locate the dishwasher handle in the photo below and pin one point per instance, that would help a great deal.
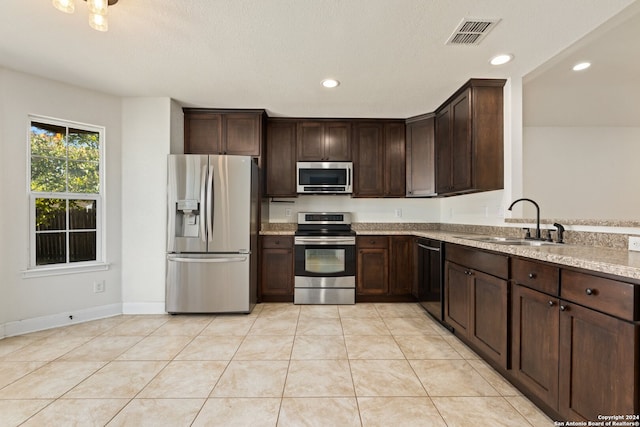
(429, 248)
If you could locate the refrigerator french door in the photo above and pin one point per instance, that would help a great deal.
(211, 234)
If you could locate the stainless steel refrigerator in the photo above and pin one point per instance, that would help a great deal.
(211, 234)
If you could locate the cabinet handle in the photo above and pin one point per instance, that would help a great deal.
(589, 291)
(551, 303)
(563, 308)
(532, 275)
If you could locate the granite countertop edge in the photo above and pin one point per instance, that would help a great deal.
(617, 262)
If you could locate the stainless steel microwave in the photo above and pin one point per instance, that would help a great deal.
(324, 177)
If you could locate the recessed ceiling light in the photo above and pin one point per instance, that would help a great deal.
(501, 59)
(581, 66)
(330, 83)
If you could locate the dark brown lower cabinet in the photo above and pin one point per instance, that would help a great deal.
(476, 302)
(457, 302)
(372, 277)
(535, 340)
(401, 265)
(598, 364)
(579, 360)
(385, 268)
(489, 306)
(277, 269)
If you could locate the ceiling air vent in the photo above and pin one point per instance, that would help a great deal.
(472, 31)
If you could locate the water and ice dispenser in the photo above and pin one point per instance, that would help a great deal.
(187, 218)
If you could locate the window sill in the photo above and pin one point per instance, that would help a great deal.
(66, 269)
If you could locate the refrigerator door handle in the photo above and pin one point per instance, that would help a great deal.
(208, 260)
(210, 201)
(203, 206)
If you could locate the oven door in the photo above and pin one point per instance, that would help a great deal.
(325, 262)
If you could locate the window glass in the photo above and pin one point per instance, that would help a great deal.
(65, 164)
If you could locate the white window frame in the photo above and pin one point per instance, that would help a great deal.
(67, 267)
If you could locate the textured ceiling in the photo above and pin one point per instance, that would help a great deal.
(606, 94)
(390, 56)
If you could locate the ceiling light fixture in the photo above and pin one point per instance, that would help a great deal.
(501, 59)
(330, 83)
(97, 11)
(581, 66)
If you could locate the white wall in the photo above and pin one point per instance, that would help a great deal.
(38, 302)
(146, 129)
(583, 172)
(364, 210)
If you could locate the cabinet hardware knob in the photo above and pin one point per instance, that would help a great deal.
(532, 275)
(589, 291)
(551, 303)
(563, 308)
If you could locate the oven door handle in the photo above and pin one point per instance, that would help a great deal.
(323, 241)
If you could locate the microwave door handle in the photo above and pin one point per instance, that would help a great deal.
(203, 205)
(210, 202)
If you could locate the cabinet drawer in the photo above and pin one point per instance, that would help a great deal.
(477, 259)
(538, 276)
(373, 242)
(606, 295)
(273, 242)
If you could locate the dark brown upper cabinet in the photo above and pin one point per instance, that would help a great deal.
(379, 158)
(324, 140)
(209, 131)
(420, 156)
(469, 135)
(280, 162)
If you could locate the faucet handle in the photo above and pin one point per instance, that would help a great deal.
(560, 236)
(527, 233)
(549, 238)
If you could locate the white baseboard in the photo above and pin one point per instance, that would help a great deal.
(26, 326)
(143, 308)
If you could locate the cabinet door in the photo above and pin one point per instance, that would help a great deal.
(373, 271)
(368, 156)
(420, 158)
(394, 160)
(598, 364)
(457, 290)
(443, 151)
(242, 134)
(202, 133)
(281, 159)
(489, 316)
(337, 141)
(535, 347)
(310, 141)
(401, 263)
(277, 268)
(461, 142)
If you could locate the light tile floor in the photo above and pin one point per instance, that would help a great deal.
(284, 365)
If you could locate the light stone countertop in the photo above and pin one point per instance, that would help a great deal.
(618, 262)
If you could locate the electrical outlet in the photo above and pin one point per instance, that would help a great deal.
(98, 286)
(634, 243)
(287, 212)
(398, 213)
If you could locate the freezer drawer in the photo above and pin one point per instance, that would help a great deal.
(209, 284)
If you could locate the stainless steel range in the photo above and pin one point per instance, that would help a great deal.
(325, 259)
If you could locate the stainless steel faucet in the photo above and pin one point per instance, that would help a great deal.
(538, 236)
